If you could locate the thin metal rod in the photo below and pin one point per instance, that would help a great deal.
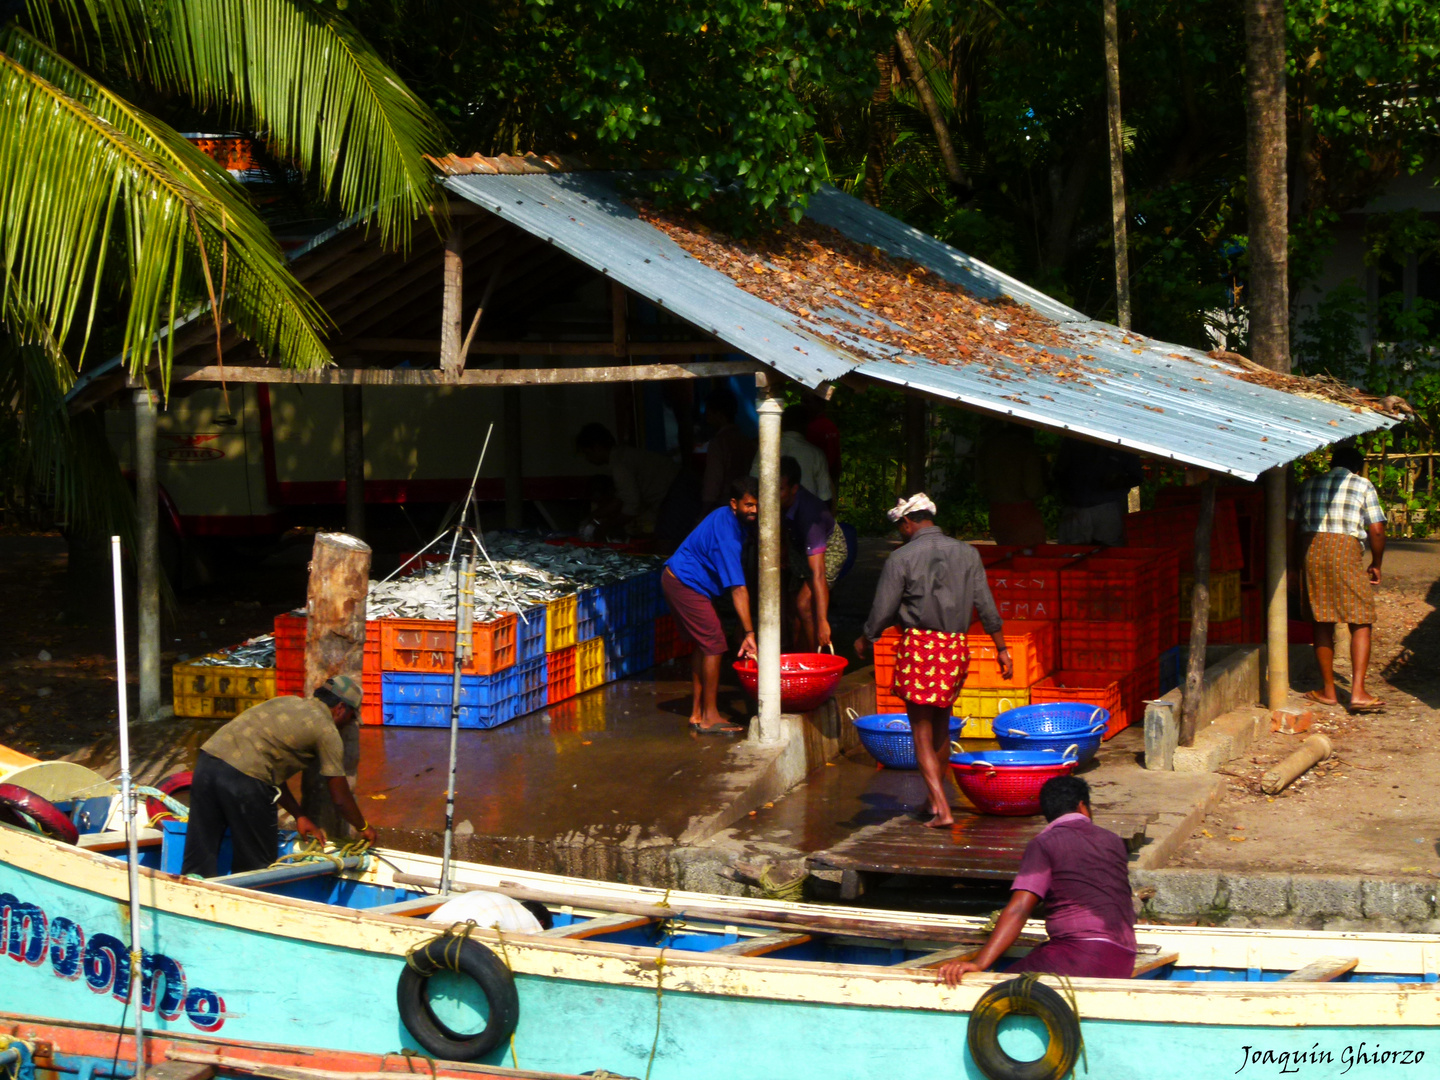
(469, 495)
(464, 613)
(127, 802)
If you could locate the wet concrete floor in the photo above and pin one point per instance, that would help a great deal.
(620, 757)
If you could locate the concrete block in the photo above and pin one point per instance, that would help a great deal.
(1337, 897)
(1408, 901)
(1181, 892)
(1258, 894)
(1365, 926)
(1162, 734)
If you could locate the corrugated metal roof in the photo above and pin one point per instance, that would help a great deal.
(1164, 400)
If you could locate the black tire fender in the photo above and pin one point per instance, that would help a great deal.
(1023, 997)
(23, 807)
(457, 953)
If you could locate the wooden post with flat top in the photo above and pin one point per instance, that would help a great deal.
(335, 645)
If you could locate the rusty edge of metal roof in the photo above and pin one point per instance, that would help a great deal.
(1163, 400)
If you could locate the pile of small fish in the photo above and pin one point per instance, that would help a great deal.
(258, 651)
(513, 574)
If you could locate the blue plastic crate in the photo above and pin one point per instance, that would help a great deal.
(415, 699)
(613, 609)
(630, 652)
(531, 687)
(1170, 669)
(589, 610)
(530, 634)
(644, 598)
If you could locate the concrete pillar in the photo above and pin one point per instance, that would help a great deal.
(1277, 593)
(354, 403)
(452, 331)
(514, 457)
(147, 554)
(770, 406)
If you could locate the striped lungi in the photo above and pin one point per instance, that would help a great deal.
(930, 667)
(1335, 586)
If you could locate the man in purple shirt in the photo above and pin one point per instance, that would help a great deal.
(1081, 872)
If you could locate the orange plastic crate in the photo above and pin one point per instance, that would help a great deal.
(560, 675)
(884, 650)
(1033, 649)
(1102, 589)
(1102, 689)
(886, 702)
(427, 645)
(290, 663)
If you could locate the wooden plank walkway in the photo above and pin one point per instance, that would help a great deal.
(978, 846)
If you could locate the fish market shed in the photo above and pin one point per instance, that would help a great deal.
(848, 294)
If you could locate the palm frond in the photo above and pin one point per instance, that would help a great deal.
(78, 165)
(318, 92)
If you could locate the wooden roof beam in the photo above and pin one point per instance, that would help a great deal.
(334, 376)
(431, 347)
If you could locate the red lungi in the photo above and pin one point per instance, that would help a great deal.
(930, 667)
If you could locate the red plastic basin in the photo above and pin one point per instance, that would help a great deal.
(807, 680)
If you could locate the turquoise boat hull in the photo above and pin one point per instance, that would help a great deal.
(251, 967)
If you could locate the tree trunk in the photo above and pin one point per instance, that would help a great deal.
(334, 645)
(953, 169)
(1265, 194)
(1117, 166)
(1065, 196)
(1199, 617)
(878, 135)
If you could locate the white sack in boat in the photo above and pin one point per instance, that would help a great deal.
(488, 910)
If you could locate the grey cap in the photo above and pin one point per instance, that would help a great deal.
(346, 689)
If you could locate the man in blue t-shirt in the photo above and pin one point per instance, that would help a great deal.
(706, 564)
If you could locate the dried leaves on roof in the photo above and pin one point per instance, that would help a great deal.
(1324, 387)
(842, 288)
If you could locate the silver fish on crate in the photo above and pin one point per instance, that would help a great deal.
(256, 652)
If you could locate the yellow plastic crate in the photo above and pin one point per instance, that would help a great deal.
(980, 705)
(589, 664)
(560, 623)
(1224, 595)
(218, 691)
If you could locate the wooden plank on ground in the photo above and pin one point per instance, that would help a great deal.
(760, 946)
(1323, 970)
(940, 956)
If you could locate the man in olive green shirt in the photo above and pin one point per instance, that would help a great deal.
(242, 774)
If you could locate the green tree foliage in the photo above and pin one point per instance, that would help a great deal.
(721, 92)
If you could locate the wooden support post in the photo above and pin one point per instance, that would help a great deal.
(353, 400)
(452, 329)
(619, 320)
(147, 555)
(916, 447)
(1277, 591)
(334, 645)
(514, 455)
(1199, 616)
(769, 407)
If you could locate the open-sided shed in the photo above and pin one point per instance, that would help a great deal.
(800, 304)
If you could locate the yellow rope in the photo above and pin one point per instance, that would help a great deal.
(792, 892)
(659, 1003)
(6, 1042)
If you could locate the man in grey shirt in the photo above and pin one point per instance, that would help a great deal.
(932, 586)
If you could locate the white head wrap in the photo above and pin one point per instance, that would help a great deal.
(918, 501)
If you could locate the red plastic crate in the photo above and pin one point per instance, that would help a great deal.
(1108, 646)
(1102, 589)
(290, 663)
(1033, 649)
(1174, 527)
(427, 645)
(1050, 551)
(560, 675)
(669, 643)
(1167, 587)
(1099, 688)
(1219, 632)
(1026, 587)
(1249, 500)
(1136, 688)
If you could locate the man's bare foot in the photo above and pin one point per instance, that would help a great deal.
(1319, 698)
(940, 821)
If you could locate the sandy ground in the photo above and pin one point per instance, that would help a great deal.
(1374, 807)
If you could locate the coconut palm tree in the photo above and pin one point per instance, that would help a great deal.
(113, 227)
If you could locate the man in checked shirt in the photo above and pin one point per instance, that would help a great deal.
(1333, 514)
